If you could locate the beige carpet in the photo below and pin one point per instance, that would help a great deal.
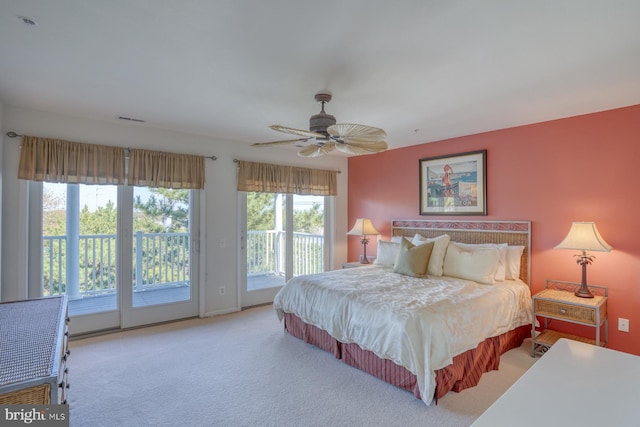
(243, 370)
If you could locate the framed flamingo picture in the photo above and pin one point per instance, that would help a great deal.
(454, 184)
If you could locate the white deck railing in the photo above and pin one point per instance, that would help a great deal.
(266, 253)
(162, 259)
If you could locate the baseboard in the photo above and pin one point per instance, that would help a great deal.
(219, 312)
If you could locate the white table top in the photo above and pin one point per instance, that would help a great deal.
(573, 384)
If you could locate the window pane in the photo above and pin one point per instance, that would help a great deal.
(308, 234)
(266, 248)
(161, 248)
(267, 238)
(79, 224)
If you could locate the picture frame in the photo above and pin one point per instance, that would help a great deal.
(454, 184)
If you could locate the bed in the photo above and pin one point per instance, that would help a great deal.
(428, 327)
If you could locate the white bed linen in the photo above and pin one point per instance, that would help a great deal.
(418, 323)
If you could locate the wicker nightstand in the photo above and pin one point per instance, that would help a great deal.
(558, 302)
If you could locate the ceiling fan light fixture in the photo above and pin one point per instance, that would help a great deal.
(327, 135)
(320, 122)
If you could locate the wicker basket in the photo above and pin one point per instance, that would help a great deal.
(37, 395)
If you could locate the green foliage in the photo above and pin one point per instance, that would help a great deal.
(261, 216)
(103, 221)
(163, 259)
(260, 211)
(166, 209)
(265, 246)
(309, 221)
(54, 223)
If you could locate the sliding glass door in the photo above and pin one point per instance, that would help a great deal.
(282, 235)
(123, 255)
(160, 282)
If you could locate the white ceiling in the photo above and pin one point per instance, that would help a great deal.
(423, 70)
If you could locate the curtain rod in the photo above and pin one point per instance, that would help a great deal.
(238, 161)
(12, 134)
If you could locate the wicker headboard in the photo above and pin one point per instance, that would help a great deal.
(463, 231)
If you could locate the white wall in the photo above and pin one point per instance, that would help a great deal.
(220, 197)
(2, 136)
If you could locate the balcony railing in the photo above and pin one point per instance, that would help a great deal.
(266, 253)
(162, 260)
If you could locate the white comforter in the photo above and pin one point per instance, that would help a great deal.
(420, 324)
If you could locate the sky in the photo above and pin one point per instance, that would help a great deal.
(94, 196)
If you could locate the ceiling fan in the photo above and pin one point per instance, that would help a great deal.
(325, 134)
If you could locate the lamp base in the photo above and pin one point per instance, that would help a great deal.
(584, 292)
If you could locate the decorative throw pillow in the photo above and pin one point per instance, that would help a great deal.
(502, 261)
(440, 244)
(387, 252)
(479, 265)
(412, 260)
(514, 257)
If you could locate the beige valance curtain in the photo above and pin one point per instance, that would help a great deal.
(160, 169)
(269, 178)
(53, 160)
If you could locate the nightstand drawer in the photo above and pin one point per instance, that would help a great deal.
(566, 311)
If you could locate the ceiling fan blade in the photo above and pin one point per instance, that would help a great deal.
(366, 148)
(360, 132)
(362, 142)
(317, 150)
(283, 142)
(299, 132)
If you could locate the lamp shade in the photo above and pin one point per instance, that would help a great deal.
(584, 236)
(363, 227)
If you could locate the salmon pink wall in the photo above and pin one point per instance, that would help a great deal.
(584, 168)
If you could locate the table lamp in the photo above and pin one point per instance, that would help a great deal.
(584, 236)
(363, 227)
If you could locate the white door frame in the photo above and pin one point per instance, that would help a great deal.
(136, 316)
(125, 315)
(265, 296)
(258, 296)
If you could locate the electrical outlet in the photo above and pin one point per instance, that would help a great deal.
(623, 324)
(221, 290)
(222, 243)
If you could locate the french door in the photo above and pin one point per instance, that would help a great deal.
(124, 256)
(282, 236)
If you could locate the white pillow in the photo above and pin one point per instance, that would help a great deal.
(440, 243)
(514, 257)
(396, 239)
(387, 252)
(502, 262)
(479, 264)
